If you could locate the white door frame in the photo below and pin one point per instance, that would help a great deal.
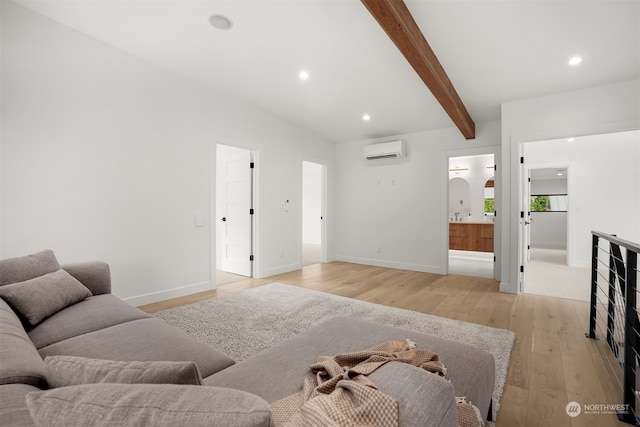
(523, 218)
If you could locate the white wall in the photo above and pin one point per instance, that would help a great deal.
(549, 230)
(603, 186)
(394, 212)
(107, 157)
(597, 110)
(544, 186)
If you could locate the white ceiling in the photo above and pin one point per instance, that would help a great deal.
(548, 173)
(493, 52)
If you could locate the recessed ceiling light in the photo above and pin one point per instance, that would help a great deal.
(220, 22)
(571, 139)
(575, 61)
(303, 75)
(366, 117)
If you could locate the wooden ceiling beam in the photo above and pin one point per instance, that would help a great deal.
(396, 20)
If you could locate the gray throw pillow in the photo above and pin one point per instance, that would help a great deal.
(141, 405)
(23, 268)
(38, 298)
(63, 371)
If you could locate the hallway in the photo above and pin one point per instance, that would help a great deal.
(547, 274)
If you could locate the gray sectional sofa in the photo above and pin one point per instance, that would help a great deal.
(71, 353)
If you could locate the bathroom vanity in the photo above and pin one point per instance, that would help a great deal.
(471, 236)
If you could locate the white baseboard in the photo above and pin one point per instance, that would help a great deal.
(392, 264)
(181, 291)
(279, 270)
(470, 255)
(539, 244)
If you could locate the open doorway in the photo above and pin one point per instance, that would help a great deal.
(234, 214)
(471, 213)
(602, 193)
(548, 204)
(312, 213)
(546, 267)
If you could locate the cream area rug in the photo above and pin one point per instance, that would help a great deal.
(245, 323)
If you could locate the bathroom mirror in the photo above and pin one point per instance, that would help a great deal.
(459, 198)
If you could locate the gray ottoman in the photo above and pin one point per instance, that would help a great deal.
(278, 371)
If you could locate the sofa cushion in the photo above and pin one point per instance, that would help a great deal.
(147, 404)
(92, 314)
(20, 362)
(19, 269)
(40, 297)
(63, 371)
(142, 340)
(425, 399)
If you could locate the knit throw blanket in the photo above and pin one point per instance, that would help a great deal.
(342, 395)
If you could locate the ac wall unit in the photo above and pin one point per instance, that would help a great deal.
(385, 150)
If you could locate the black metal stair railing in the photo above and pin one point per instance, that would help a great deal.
(614, 291)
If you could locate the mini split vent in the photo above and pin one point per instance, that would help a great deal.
(385, 150)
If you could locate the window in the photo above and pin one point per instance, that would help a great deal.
(489, 206)
(489, 192)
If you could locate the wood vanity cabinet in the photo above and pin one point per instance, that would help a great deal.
(471, 236)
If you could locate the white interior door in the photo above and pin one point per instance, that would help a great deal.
(236, 211)
(313, 176)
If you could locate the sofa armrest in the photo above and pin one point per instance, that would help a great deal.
(95, 275)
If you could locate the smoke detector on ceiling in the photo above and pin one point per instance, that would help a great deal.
(220, 22)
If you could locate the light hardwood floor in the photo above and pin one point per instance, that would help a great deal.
(552, 363)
